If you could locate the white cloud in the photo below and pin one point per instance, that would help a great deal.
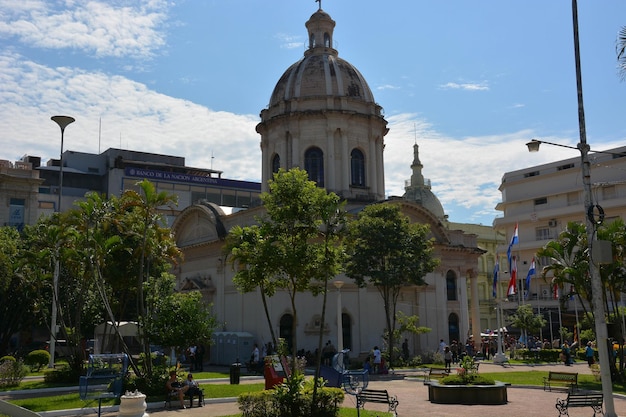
(133, 117)
(116, 29)
(464, 172)
(387, 87)
(465, 86)
(289, 41)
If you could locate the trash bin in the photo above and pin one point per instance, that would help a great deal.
(235, 372)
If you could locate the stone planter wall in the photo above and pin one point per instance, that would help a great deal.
(467, 394)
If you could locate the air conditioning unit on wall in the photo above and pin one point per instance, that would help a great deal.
(552, 223)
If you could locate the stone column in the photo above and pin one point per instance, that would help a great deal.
(475, 308)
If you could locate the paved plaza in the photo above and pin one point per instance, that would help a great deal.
(413, 398)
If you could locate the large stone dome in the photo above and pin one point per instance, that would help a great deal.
(322, 118)
(320, 76)
(322, 80)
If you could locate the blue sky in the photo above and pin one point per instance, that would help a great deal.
(472, 82)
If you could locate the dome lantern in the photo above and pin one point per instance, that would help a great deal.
(320, 27)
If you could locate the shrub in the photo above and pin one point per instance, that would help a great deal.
(474, 379)
(37, 358)
(12, 372)
(7, 358)
(541, 355)
(153, 385)
(438, 358)
(416, 361)
(63, 374)
(291, 399)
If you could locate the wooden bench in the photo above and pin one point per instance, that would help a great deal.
(593, 400)
(376, 396)
(437, 373)
(568, 378)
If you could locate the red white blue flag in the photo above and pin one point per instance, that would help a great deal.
(531, 272)
(514, 240)
(513, 281)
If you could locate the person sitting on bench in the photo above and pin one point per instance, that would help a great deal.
(175, 386)
(193, 390)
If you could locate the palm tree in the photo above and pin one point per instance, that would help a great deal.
(569, 263)
(621, 52)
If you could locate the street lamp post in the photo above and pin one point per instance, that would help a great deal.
(338, 285)
(62, 121)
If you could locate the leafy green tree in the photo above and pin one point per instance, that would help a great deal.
(291, 248)
(526, 320)
(19, 290)
(387, 251)
(250, 252)
(148, 223)
(176, 319)
(405, 324)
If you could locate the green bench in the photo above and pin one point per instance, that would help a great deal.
(376, 396)
(570, 379)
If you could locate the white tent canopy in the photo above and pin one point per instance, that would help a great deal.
(106, 341)
(494, 332)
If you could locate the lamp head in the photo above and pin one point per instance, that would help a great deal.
(338, 284)
(533, 145)
(63, 121)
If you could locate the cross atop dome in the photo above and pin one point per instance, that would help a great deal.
(320, 2)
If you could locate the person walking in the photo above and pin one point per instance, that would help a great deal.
(378, 356)
(589, 354)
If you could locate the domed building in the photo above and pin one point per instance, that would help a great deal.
(322, 117)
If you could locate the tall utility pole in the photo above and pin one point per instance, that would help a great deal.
(597, 289)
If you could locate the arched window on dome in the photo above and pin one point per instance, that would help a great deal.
(326, 40)
(275, 164)
(314, 165)
(312, 40)
(357, 168)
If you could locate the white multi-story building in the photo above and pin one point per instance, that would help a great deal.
(541, 200)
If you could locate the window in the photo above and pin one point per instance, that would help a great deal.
(451, 286)
(326, 40)
(542, 200)
(357, 165)
(542, 233)
(531, 174)
(608, 192)
(314, 165)
(312, 40)
(453, 327)
(285, 330)
(16, 212)
(566, 166)
(544, 261)
(275, 164)
(573, 198)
